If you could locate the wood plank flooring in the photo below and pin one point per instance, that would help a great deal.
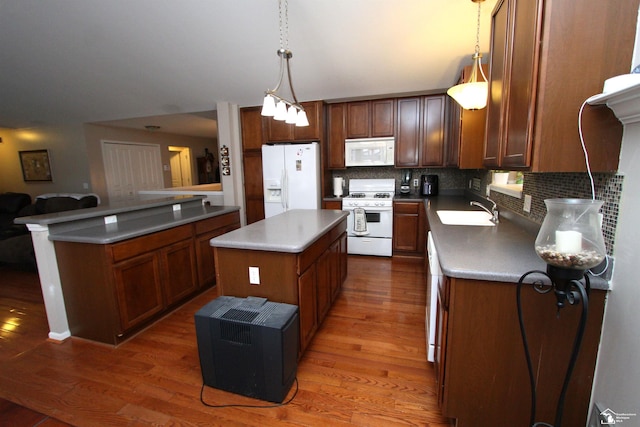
(366, 366)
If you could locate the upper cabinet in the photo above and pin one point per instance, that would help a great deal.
(420, 131)
(370, 119)
(361, 119)
(279, 131)
(464, 146)
(336, 132)
(547, 58)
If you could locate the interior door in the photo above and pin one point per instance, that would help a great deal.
(130, 167)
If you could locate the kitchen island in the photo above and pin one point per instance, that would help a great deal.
(107, 272)
(298, 257)
(480, 360)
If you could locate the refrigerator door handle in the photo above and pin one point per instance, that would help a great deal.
(283, 189)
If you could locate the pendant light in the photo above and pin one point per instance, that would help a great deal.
(275, 105)
(472, 95)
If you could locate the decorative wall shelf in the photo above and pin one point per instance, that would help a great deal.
(625, 103)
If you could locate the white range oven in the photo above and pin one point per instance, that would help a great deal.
(370, 220)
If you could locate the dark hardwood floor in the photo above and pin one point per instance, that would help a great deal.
(366, 366)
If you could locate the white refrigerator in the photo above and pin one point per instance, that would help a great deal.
(291, 177)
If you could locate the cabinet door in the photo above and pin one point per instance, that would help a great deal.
(358, 119)
(332, 204)
(408, 132)
(442, 325)
(251, 125)
(336, 116)
(253, 186)
(313, 131)
(179, 277)
(383, 113)
(336, 268)
(433, 129)
(278, 130)
(497, 86)
(452, 155)
(307, 306)
(522, 84)
(138, 289)
(324, 278)
(408, 227)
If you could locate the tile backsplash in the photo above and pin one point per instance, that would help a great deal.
(608, 187)
(541, 186)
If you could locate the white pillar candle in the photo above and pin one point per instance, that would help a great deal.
(568, 242)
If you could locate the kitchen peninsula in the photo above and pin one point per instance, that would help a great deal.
(298, 257)
(480, 361)
(107, 272)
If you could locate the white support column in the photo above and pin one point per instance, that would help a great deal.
(50, 282)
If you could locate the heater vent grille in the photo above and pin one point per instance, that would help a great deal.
(240, 315)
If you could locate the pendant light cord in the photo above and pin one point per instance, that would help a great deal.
(284, 27)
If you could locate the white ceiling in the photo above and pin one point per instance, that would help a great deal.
(70, 61)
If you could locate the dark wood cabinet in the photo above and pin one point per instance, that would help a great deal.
(482, 370)
(534, 94)
(420, 131)
(251, 125)
(252, 140)
(310, 279)
(465, 141)
(307, 305)
(280, 131)
(336, 134)
(370, 119)
(120, 288)
(409, 231)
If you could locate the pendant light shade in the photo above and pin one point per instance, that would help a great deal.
(472, 95)
(284, 110)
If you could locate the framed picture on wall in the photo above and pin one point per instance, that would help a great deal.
(35, 165)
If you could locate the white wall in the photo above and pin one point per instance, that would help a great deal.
(617, 378)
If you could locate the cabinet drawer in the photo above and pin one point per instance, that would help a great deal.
(406, 207)
(151, 242)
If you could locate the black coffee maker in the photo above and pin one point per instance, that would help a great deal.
(429, 185)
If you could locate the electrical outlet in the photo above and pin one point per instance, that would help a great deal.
(415, 182)
(527, 203)
(254, 275)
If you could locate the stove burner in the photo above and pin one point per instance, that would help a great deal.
(357, 195)
(382, 195)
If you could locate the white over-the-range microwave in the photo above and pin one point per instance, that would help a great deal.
(369, 152)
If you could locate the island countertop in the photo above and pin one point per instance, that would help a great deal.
(292, 231)
(501, 253)
(114, 223)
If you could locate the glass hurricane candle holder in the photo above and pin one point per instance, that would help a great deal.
(570, 236)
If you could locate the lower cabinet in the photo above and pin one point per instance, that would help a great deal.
(480, 363)
(409, 228)
(119, 288)
(311, 279)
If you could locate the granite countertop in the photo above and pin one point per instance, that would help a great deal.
(292, 231)
(500, 253)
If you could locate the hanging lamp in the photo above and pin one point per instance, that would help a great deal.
(472, 95)
(274, 104)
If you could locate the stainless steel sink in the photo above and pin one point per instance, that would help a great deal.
(474, 218)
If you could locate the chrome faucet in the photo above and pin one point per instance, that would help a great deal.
(495, 215)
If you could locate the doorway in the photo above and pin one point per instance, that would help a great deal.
(180, 164)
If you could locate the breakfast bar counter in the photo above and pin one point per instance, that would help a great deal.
(298, 257)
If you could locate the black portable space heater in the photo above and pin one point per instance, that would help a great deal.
(248, 346)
